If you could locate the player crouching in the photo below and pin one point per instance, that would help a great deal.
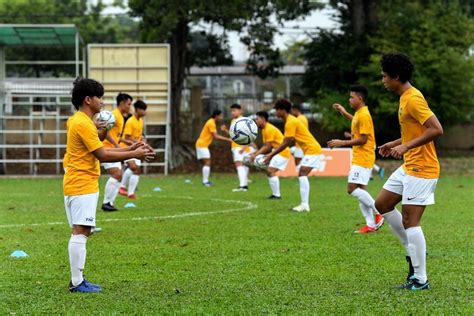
(84, 152)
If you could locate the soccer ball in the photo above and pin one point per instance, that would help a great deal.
(258, 162)
(243, 131)
(108, 117)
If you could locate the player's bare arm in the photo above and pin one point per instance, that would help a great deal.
(220, 137)
(343, 111)
(433, 130)
(287, 142)
(142, 153)
(265, 149)
(111, 140)
(362, 140)
(386, 148)
(101, 129)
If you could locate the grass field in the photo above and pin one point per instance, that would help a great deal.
(191, 249)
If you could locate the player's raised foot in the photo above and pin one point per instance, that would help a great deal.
(132, 196)
(107, 207)
(365, 230)
(241, 189)
(379, 220)
(85, 287)
(381, 173)
(413, 284)
(123, 191)
(274, 197)
(208, 184)
(301, 208)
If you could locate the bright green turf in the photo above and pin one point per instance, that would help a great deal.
(261, 260)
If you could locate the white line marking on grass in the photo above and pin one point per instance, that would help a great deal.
(247, 206)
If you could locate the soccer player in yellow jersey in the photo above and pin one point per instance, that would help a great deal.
(296, 132)
(208, 134)
(272, 138)
(113, 139)
(363, 156)
(84, 153)
(414, 183)
(133, 133)
(296, 150)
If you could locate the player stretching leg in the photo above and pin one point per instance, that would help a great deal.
(84, 152)
(208, 133)
(363, 156)
(114, 169)
(296, 150)
(296, 132)
(133, 133)
(413, 183)
(272, 138)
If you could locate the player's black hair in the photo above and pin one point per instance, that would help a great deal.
(397, 65)
(139, 104)
(283, 104)
(360, 90)
(263, 114)
(83, 88)
(216, 113)
(236, 106)
(123, 97)
(296, 107)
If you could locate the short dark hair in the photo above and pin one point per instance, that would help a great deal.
(360, 90)
(123, 97)
(263, 114)
(283, 104)
(139, 104)
(296, 107)
(236, 106)
(83, 88)
(216, 113)
(397, 65)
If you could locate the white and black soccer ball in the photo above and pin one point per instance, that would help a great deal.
(258, 162)
(108, 117)
(243, 131)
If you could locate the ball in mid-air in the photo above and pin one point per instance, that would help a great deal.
(243, 131)
(108, 117)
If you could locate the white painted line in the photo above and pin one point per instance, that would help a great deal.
(246, 206)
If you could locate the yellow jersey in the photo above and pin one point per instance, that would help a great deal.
(422, 161)
(362, 124)
(271, 134)
(304, 120)
(207, 134)
(134, 129)
(82, 168)
(294, 128)
(116, 131)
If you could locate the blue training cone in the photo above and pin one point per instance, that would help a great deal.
(157, 189)
(130, 205)
(188, 181)
(19, 254)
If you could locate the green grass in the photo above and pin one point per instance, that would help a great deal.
(260, 259)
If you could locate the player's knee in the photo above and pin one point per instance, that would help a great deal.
(380, 206)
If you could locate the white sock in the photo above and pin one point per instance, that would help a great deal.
(247, 172)
(274, 185)
(242, 174)
(126, 177)
(304, 190)
(367, 205)
(417, 250)
(394, 219)
(376, 168)
(77, 257)
(111, 190)
(132, 185)
(206, 171)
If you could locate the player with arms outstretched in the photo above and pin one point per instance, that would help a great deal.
(363, 156)
(84, 152)
(413, 183)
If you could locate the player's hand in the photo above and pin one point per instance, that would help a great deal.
(267, 159)
(100, 124)
(338, 107)
(334, 143)
(143, 153)
(251, 157)
(386, 149)
(347, 135)
(224, 128)
(397, 152)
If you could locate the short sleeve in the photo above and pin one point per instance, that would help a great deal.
(290, 129)
(419, 110)
(268, 136)
(90, 137)
(212, 127)
(365, 126)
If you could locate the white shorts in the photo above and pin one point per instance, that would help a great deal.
(138, 162)
(81, 209)
(110, 165)
(237, 156)
(414, 190)
(203, 153)
(278, 162)
(312, 161)
(297, 152)
(359, 175)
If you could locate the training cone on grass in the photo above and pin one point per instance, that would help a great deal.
(157, 189)
(188, 181)
(19, 254)
(130, 205)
